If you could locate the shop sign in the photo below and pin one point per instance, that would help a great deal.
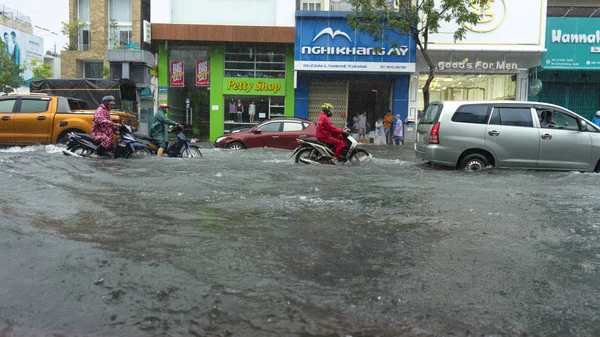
(572, 43)
(329, 44)
(254, 86)
(478, 66)
(202, 73)
(177, 74)
(535, 87)
(516, 25)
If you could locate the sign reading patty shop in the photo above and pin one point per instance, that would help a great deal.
(202, 73)
(254, 86)
(329, 44)
(572, 43)
(177, 76)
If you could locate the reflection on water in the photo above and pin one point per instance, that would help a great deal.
(248, 243)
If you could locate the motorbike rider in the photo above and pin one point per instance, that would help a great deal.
(328, 133)
(103, 127)
(158, 132)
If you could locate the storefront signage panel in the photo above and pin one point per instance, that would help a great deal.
(478, 66)
(202, 73)
(254, 86)
(503, 23)
(177, 74)
(329, 44)
(572, 43)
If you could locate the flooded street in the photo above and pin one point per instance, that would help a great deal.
(248, 243)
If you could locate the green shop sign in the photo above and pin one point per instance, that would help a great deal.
(572, 43)
(254, 86)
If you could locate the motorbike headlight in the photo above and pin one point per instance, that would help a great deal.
(220, 139)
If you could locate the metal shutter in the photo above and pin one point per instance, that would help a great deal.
(333, 91)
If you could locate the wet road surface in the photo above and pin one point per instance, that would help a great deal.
(248, 243)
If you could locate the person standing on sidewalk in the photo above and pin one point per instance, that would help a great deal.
(388, 121)
(399, 131)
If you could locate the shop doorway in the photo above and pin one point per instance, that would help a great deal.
(372, 96)
(196, 118)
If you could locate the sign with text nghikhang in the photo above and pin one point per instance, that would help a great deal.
(329, 44)
(202, 73)
(572, 43)
(177, 74)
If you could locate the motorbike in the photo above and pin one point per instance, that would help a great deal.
(180, 147)
(82, 145)
(312, 151)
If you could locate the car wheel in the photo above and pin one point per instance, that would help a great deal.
(236, 146)
(474, 162)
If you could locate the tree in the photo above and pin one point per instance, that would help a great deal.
(71, 30)
(416, 18)
(41, 70)
(11, 75)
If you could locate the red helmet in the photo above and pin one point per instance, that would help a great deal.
(163, 106)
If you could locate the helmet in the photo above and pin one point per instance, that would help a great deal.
(326, 108)
(108, 100)
(597, 113)
(163, 106)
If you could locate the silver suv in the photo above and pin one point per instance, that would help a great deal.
(473, 135)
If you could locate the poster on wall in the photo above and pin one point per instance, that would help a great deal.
(177, 74)
(202, 73)
(22, 48)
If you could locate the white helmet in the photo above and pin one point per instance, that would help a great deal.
(597, 113)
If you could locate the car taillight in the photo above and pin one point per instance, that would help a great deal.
(434, 136)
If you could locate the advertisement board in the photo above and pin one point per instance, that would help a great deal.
(329, 44)
(503, 23)
(572, 44)
(22, 48)
(177, 74)
(202, 73)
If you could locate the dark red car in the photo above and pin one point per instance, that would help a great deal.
(279, 133)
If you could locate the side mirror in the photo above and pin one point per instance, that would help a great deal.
(257, 131)
(582, 125)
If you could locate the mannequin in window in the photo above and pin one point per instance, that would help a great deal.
(240, 110)
(252, 111)
(232, 111)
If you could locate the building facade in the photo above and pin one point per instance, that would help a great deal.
(213, 60)
(348, 69)
(569, 74)
(492, 62)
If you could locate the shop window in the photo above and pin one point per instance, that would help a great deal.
(242, 60)
(93, 69)
(265, 108)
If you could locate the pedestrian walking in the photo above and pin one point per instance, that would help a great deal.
(388, 121)
(362, 126)
(399, 131)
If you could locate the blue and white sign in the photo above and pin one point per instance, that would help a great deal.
(329, 44)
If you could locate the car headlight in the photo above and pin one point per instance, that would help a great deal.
(220, 139)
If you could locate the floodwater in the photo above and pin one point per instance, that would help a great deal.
(248, 243)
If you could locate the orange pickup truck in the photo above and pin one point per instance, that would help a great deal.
(27, 119)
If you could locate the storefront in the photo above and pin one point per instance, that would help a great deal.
(341, 66)
(204, 82)
(492, 62)
(570, 72)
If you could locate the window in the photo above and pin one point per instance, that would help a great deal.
(245, 60)
(309, 5)
(556, 119)
(432, 114)
(7, 105)
(270, 127)
(34, 105)
(340, 5)
(120, 32)
(289, 126)
(83, 34)
(93, 69)
(474, 114)
(512, 117)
